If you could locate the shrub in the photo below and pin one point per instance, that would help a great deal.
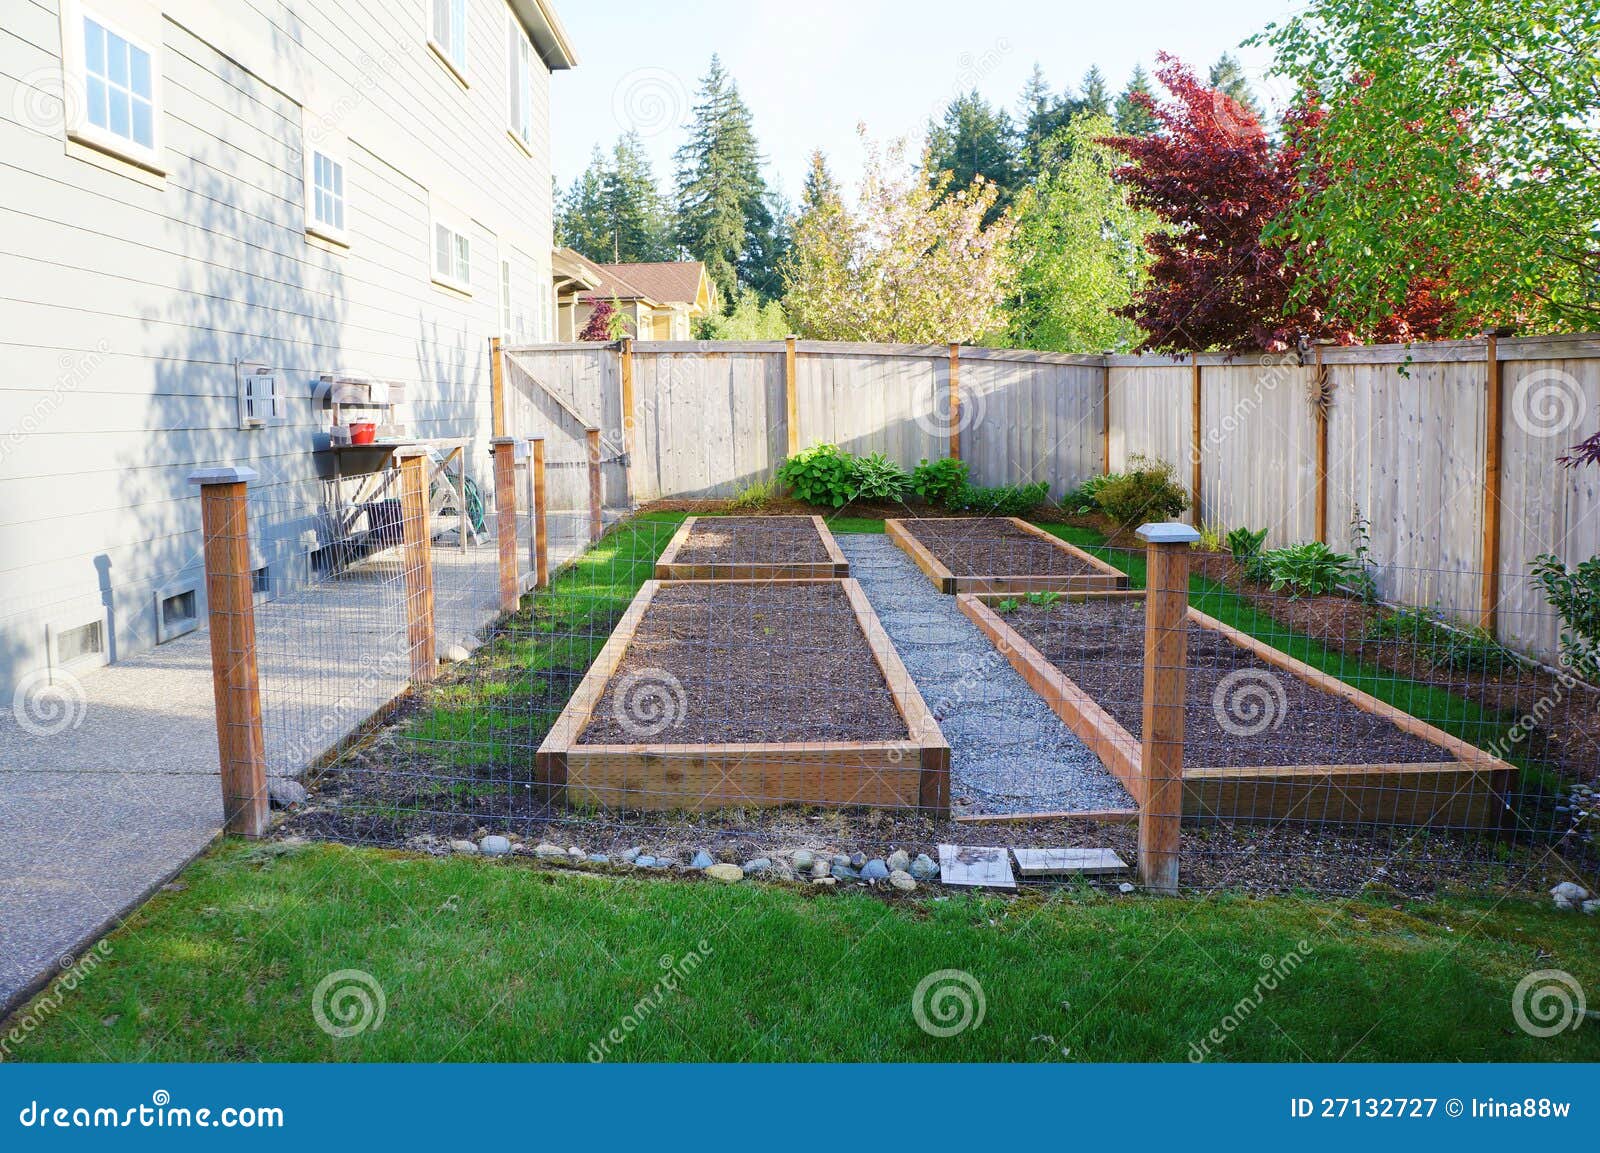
(1147, 492)
(822, 475)
(1311, 568)
(940, 482)
(1442, 646)
(1084, 497)
(876, 477)
(757, 494)
(1245, 545)
(1007, 500)
(1575, 594)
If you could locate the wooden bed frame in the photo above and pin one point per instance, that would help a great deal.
(669, 567)
(1105, 576)
(909, 773)
(1462, 793)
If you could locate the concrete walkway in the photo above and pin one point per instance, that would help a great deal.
(97, 816)
(1008, 752)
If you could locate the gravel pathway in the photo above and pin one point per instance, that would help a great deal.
(1008, 752)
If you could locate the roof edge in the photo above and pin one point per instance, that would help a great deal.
(543, 26)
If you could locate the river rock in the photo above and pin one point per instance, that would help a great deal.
(875, 870)
(759, 865)
(902, 881)
(545, 851)
(702, 860)
(901, 860)
(924, 868)
(803, 859)
(727, 874)
(494, 846)
(465, 848)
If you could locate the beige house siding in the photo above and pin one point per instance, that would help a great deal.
(130, 295)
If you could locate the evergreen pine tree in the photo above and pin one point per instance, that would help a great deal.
(1044, 114)
(635, 214)
(581, 220)
(975, 139)
(1133, 117)
(1095, 98)
(1228, 78)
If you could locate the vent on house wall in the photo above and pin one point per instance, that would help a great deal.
(177, 612)
(261, 395)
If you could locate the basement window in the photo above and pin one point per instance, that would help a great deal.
(77, 645)
(177, 613)
(261, 584)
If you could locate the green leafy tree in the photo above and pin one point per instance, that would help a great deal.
(750, 318)
(724, 213)
(974, 139)
(1078, 247)
(1133, 115)
(1462, 127)
(817, 273)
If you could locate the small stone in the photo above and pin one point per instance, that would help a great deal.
(575, 853)
(846, 873)
(454, 653)
(545, 851)
(1574, 893)
(900, 860)
(825, 882)
(599, 859)
(494, 846)
(858, 859)
(803, 859)
(727, 874)
(632, 854)
(666, 862)
(840, 861)
(783, 872)
(466, 848)
(821, 868)
(282, 793)
(924, 868)
(902, 881)
(875, 870)
(1125, 887)
(702, 860)
(645, 861)
(759, 865)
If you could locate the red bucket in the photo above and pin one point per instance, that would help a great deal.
(363, 432)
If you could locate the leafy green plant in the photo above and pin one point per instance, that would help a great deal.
(823, 474)
(1312, 568)
(756, 495)
(877, 477)
(1245, 543)
(1442, 645)
(1006, 500)
(1044, 599)
(1575, 594)
(1149, 491)
(1008, 605)
(1361, 553)
(941, 481)
(1083, 498)
(1213, 538)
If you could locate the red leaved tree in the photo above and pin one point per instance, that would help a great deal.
(605, 323)
(1216, 181)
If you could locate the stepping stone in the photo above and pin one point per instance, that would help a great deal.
(975, 868)
(1057, 862)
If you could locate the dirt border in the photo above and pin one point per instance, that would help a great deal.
(669, 568)
(1103, 576)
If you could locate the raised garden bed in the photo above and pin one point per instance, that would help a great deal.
(711, 694)
(999, 555)
(751, 548)
(1266, 736)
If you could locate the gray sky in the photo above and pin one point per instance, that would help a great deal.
(812, 70)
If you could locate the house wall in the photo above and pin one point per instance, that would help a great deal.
(130, 296)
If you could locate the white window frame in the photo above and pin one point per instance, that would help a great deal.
(457, 227)
(453, 56)
(263, 395)
(520, 60)
(507, 276)
(335, 152)
(75, 79)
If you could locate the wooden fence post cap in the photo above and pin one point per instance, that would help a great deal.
(498, 441)
(1167, 532)
(224, 474)
(407, 451)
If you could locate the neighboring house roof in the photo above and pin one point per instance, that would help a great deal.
(572, 270)
(665, 282)
(545, 30)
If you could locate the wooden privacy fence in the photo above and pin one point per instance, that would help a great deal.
(1446, 451)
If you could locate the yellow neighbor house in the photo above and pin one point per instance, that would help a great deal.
(657, 301)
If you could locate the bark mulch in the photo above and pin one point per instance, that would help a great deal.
(721, 663)
(990, 546)
(753, 540)
(1240, 710)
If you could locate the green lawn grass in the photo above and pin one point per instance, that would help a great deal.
(507, 962)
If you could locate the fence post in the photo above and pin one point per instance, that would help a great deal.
(591, 437)
(539, 541)
(497, 389)
(235, 684)
(1161, 749)
(627, 414)
(1105, 415)
(955, 401)
(1320, 415)
(505, 515)
(417, 554)
(791, 396)
(1494, 432)
(1195, 443)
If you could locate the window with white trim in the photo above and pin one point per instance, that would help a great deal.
(519, 78)
(449, 34)
(114, 83)
(452, 255)
(327, 191)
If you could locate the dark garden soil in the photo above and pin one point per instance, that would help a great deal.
(1240, 710)
(753, 540)
(721, 663)
(993, 546)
